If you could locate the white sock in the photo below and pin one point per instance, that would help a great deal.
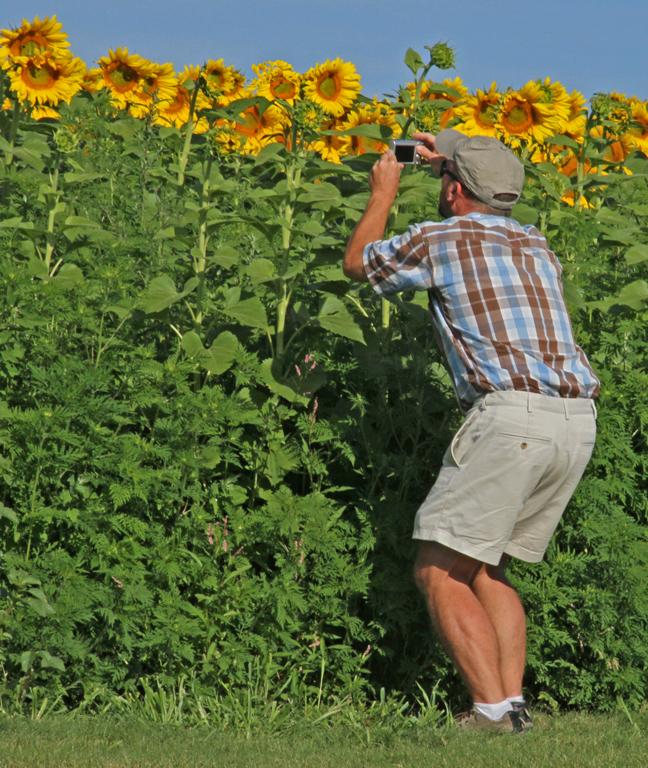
(493, 711)
(517, 699)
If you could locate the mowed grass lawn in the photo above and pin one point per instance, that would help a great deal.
(573, 741)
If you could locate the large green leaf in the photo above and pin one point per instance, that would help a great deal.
(335, 317)
(261, 271)
(250, 312)
(633, 295)
(637, 253)
(413, 60)
(68, 276)
(226, 256)
(161, 293)
(267, 377)
(220, 356)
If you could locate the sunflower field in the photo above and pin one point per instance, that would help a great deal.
(212, 445)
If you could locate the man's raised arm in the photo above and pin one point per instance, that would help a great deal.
(383, 182)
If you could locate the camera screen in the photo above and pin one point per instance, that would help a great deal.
(405, 153)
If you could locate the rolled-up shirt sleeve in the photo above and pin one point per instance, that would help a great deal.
(399, 264)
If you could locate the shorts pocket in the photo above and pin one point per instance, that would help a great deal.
(522, 436)
(465, 437)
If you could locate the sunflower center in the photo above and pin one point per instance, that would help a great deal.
(29, 45)
(179, 103)
(519, 116)
(123, 77)
(329, 86)
(282, 88)
(216, 79)
(39, 77)
(149, 86)
(487, 113)
(250, 123)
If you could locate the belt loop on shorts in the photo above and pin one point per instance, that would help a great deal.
(529, 404)
(482, 403)
(565, 408)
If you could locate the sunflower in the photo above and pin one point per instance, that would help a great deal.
(577, 117)
(44, 79)
(617, 151)
(258, 128)
(124, 75)
(157, 88)
(175, 110)
(526, 117)
(376, 114)
(44, 112)
(328, 147)
(224, 83)
(93, 81)
(638, 130)
(477, 114)
(32, 39)
(556, 95)
(227, 140)
(570, 198)
(236, 91)
(334, 85)
(217, 76)
(277, 80)
(450, 89)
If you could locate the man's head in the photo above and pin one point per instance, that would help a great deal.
(480, 173)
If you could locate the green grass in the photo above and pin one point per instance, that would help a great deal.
(572, 741)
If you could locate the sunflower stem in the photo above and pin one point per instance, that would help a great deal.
(282, 310)
(385, 314)
(417, 97)
(184, 155)
(13, 129)
(200, 265)
(293, 178)
(51, 217)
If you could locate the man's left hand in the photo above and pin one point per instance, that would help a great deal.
(384, 178)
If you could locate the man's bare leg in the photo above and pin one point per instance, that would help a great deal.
(445, 578)
(506, 613)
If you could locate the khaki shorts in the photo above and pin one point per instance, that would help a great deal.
(508, 476)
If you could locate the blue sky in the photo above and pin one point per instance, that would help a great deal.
(592, 45)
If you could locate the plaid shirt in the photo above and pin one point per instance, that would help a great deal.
(496, 300)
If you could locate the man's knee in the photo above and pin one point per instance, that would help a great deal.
(435, 563)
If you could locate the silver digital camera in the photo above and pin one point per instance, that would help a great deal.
(405, 151)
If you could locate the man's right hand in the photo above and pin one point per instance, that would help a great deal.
(428, 153)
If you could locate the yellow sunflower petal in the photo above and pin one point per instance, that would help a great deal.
(33, 38)
(477, 114)
(525, 116)
(375, 113)
(638, 131)
(333, 85)
(124, 74)
(277, 80)
(43, 78)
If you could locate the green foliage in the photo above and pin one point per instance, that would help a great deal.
(213, 445)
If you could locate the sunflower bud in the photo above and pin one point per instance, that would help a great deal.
(608, 106)
(66, 138)
(441, 55)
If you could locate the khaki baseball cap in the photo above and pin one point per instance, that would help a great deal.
(486, 166)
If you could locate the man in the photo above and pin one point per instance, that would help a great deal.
(498, 309)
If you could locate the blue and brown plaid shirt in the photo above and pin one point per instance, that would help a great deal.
(496, 300)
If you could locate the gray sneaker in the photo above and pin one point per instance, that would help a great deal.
(511, 722)
(523, 711)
